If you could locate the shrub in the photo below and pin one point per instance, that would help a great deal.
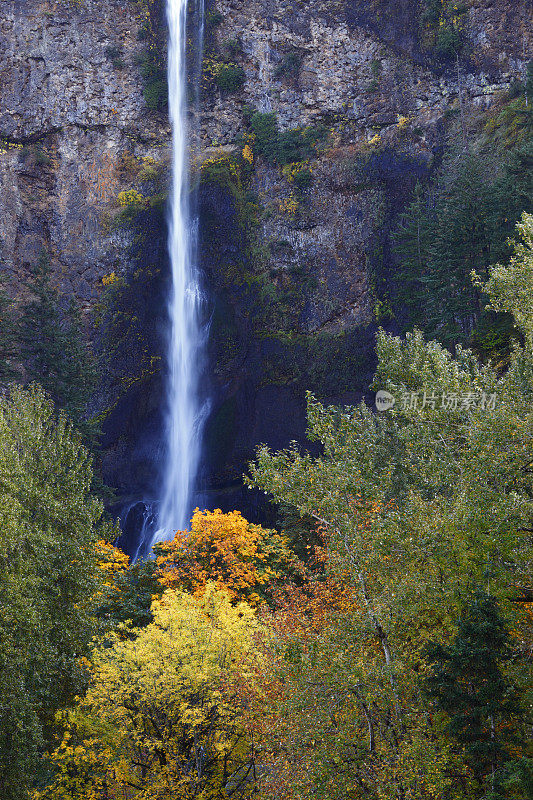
(295, 144)
(448, 42)
(233, 47)
(303, 178)
(154, 76)
(130, 198)
(443, 22)
(213, 19)
(265, 127)
(156, 94)
(230, 78)
(114, 54)
(290, 65)
(41, 157)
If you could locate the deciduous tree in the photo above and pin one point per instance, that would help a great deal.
(49, 576)
(154, 723)
(242, 557)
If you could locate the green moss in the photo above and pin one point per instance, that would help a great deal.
(330, 364)
(153, 72)
(265, 127)
(232, 174)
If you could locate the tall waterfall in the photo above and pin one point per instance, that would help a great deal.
(185, 412)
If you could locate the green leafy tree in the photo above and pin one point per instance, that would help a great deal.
(510, 287)
(420, 505)
(48, 577)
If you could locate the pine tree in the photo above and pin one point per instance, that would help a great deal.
(56, 354)
(463, 243)
(8, 335)
(467, 683)
(413, 239)
(460, 225)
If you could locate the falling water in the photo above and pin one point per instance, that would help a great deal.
(185, 412)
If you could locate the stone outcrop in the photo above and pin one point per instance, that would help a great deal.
(68, 116)
(291, 279)
(359, 68)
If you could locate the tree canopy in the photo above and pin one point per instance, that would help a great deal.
(49, 575)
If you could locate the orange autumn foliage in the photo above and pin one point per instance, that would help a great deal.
(227, 549)
(285, 645)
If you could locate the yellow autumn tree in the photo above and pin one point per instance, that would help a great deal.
(225, 548)
(113, 563)
(154, 722)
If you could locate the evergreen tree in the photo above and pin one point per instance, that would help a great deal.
(468, 683)
(513, 194)
(441, 242)
(460, 225)
(8, 333)
(56, 354)
(514, 782)
(413, 240)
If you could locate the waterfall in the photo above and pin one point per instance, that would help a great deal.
(185, 412)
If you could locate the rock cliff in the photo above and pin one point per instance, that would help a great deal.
(316, 120)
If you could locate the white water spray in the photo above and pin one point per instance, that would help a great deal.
(185, 413)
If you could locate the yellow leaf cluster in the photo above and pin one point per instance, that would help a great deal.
(247, 153)
(155, 722)
(110, 279)
(226, 548)
(131, 197)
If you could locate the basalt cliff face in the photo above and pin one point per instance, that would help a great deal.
(316, 121)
